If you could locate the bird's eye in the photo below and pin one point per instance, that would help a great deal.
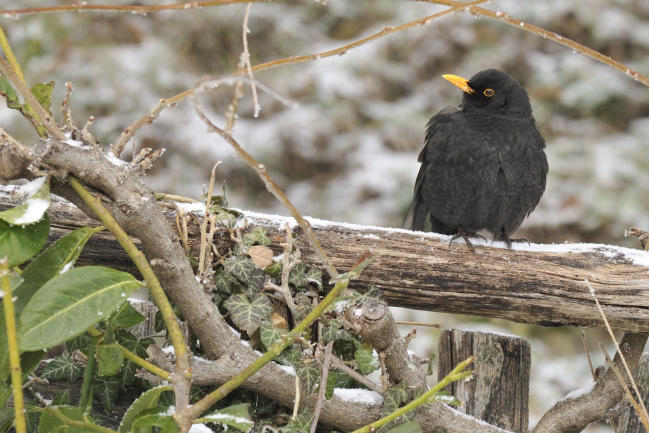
(488, 93)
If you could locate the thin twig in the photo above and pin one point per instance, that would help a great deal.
(356, 375)
(246, 57)
(271, 186)
(505, 18)
(323, 386)
(431, 325)
(133, 9)
(206, 219)
(296, 406)
(590, 363)
(643, 414)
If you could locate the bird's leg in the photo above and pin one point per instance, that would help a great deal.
(462, 233)
(505, 238)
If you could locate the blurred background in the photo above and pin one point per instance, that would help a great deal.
(349, 152)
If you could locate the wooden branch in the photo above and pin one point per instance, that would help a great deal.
(419, 270)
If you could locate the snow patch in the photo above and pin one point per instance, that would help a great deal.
(579, 392)
(365, 396)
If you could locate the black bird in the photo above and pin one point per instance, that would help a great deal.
(483, 164)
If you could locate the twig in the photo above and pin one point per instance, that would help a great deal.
(270, 185)
(246, 57)
(356, 375)
(323, 386)
(12, 345)
(296, 406)
(643, 413)
(431, 325)
(133, 9)
(590, 363)
(505, 18)
(13, 144)
(206, 218)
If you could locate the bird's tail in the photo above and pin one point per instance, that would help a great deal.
(416, 217)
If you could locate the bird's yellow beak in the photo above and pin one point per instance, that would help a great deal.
(460, 82)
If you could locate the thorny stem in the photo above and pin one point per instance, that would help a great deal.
(453, 376)
(133, 9)
(271, 186)
(20, 422)
(505, 18)
(278, 347)
(182, 378)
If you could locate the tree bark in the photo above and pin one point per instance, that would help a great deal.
(419, 270)
(499, 390)
(630, 421)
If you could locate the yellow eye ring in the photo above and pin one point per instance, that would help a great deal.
(488, 93)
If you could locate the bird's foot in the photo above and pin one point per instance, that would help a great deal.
(462, 233)
(509, 241)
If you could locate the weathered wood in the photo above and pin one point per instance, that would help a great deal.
(630, 421)
(419, 270)
(499, 390)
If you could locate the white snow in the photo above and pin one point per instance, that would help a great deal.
(65, 268)
(169, 350)
(36, 208)
(200, 428)
(579, 392)
(76, 143)
(223, 416)
(358, 396)
(115, 160)
(288, 369)
(198, 208)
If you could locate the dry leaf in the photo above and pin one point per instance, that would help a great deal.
(278, 321)
(262, 256)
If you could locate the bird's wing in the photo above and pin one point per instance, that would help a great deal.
(416, 216)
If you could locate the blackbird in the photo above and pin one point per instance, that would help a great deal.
(483, 164)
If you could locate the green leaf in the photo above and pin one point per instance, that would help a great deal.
(5, 392)
(297, 277)
(236, 416)
(62, 367)
(6, 418)
(37, 201)
(248, 315)
(259, 235)
(314, 276)
(43, 92)
(374, 293)
(57, 257)
(19, 243)
(109, 359)
(62, 398)
(332, 332)
(126, 317)
(411, 427)
(50, 423)
(245, 270)
(80, 342)
(309, 375)
(393, 397)
(301, 423)
(367, 363)
(106, 388)
(72, 302)
(154, 417)
(146, 401)
(32, 416)
(332, 378)
(224, 281)
(431, 363)
(7, 91)
(274, 270)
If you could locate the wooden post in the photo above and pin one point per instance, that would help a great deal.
(499, 391)
(629, 421)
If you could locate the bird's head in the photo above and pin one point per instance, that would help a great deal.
(493, 91)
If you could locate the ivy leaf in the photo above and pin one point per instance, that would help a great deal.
(393, 397)
(245, 270)
(332, 332)
(259, 235)
(80, 342)
(61, 399)
(236, 416)
(62, 367)
(367, 363)
(32, 416)
(297, 277)
(431, 360)
(105, 388)
(315, 276)
(309, 375)
(374, 293)
(274, 270)
(248, 315)
(130, 342)
(224, 281)
(269, 334)
(301, 423)
(109, 359)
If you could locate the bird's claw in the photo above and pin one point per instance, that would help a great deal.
(462, 233)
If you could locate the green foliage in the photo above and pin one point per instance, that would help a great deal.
(248, 315)
(125, 317)
(309, 374)
(301, 423)
(411, 427)
(70, 303)
(259, 236)
(146, 401)
(106, 388)
(50, 423)
(36, 204)
(62, 367)
(19, 243)
(367, 362)
(109, 359)
(243, 268)
(235, 416)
